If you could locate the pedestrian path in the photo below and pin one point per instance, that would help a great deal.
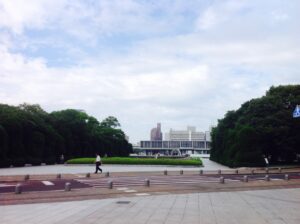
(126, 181)
(245, 207)
(80, 169)
(154, 180)
(139, 180)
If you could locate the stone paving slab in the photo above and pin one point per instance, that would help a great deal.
(100, 193)
(174, 171)
(209, 166)
(243, 207)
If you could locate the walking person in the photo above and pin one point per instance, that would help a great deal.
(98, 163)
(62, 159)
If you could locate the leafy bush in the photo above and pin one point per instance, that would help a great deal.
(5, 163)
(18, 162)
(138, 161)
(34, 161)
(50, 160)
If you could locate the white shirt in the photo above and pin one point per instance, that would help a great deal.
(98, 159)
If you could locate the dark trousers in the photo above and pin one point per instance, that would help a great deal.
(98, 167)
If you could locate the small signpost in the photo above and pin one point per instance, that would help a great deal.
(296, 112)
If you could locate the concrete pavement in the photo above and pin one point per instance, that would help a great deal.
(74, 169)
(243, 207)
(193, 201)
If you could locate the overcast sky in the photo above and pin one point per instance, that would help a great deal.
(175, 62)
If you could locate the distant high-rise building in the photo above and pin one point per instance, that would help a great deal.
(156, 134)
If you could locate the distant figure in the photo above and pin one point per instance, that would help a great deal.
(62, 159)
(266, 161)
(98, 163)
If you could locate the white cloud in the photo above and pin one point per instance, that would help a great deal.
(218, 13)
(208, 19)
(191, 77)
(280, 16)
(17, 15)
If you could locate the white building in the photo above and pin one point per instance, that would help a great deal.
(190, 134)
(187, 141)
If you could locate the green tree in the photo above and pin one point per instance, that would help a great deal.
(262, 127)
(110, 122)
(28, 134)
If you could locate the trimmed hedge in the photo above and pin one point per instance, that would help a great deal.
(138, 161)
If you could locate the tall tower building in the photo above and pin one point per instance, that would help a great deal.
(156, 134)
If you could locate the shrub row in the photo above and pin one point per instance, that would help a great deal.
(138, 161)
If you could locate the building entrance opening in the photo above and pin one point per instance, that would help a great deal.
(175, 152)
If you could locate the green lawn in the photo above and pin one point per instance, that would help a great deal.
(138, 161)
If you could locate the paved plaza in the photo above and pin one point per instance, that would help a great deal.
(185, 197)
(255, 207)
(73, 169)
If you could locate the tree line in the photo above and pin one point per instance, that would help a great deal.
(261, 128)
(28, 134)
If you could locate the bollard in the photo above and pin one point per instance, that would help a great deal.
(68, 186)
(200, 172)
(147, 182)
(88, 175)
(236, 171)
(181, 172)
(252, 172)
(267, 178)
(219, 172)
(286, 177)
(18, 189)
(110, 184)
(222, 180)
(107, 174)
(58, 176)
(26, 177)
(165, 172)
(267, 170)
(245, 178)
(279, 170)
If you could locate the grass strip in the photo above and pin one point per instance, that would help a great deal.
(138, 161)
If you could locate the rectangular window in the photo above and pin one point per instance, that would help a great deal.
(156, 144)
(174, 144)
(198, 144)
(186, 144)
(165, 144)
